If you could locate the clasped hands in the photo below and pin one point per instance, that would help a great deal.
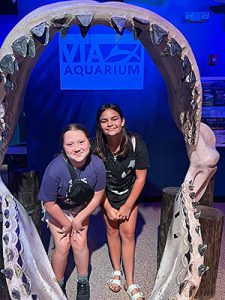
(122, 214)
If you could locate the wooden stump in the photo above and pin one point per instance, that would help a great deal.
(211, 221)
(24, 185)
(4, 295)
(167, 204)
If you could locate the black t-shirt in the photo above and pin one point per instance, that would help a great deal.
(120, 172)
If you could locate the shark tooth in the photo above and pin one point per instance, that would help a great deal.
(118, 24)
(59, 21)
(140, 25)
(202, 269)
(172, 48)
(9, 86)
(7, 63)
(41, 33)
(190, 78)
(175, 47)
(8, 273)
(192, 195)
(16, 294)
(186, 65)
(85, 20)
(20, 46)
(6, 213)
(202, 248)
(195, 204)
(166, 50)
(85, 23)
(9, 254)
(27, 288)
(6, 239)
(197, 214)
(157, 34)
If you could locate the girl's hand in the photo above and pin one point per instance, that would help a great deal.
(66, 229)
(77, 224)
(124, 212)
(112, 214)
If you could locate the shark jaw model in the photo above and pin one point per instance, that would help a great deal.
(27, 269)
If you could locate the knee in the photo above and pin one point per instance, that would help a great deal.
(112, 233)
(63, 248)
(79, 245)
(128, 235)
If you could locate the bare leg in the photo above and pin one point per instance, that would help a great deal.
(114, 244)
(127, 233)
(61, 251)
(80, 249)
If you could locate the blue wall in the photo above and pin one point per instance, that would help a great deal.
(48, 108)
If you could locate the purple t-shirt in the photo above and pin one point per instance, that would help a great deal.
(57, 178)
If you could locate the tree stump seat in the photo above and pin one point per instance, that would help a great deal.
(24, 186)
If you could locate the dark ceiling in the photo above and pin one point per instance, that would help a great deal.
(7, 7)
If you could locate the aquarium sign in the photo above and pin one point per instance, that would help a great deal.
(101, 62)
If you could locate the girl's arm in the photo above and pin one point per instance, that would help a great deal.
(111, 212)
(93, 204)
(125, 210)
(56, 212)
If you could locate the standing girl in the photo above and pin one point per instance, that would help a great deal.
(72, 187)
(126, 160)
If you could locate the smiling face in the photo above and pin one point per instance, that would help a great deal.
(76, 146)
(111, 122)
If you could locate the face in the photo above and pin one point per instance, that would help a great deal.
(76, 146)
(111, 123)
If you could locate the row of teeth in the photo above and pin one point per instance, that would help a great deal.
(11, 215)
(201, 248)
(25, 46)
(15, 270)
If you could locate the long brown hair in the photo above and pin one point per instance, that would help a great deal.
(101, 140)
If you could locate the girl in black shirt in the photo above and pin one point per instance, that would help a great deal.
(126, 159)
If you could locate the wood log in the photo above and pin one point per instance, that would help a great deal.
(211, 221)
(167, 204)
(4, 295)
(24, 185)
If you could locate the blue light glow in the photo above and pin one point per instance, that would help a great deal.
(101, 62)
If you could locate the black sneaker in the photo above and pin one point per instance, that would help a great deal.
(83, 290)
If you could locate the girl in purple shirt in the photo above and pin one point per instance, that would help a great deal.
(69, 202)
